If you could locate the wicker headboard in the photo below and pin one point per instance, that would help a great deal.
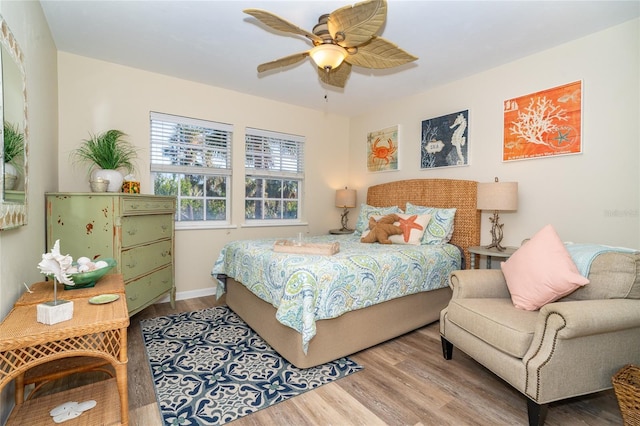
(443, 193)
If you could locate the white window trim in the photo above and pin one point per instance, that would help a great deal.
(213, 171)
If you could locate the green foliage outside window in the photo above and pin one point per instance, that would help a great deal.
(193, 205)
(271, 198)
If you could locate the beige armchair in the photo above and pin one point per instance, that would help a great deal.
(568, 348)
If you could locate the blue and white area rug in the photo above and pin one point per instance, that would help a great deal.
(210, 368)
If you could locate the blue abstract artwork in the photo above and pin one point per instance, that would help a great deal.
(445, 141)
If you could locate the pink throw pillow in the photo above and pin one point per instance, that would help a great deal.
(541, 271)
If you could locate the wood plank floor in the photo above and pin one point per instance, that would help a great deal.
(405, 381)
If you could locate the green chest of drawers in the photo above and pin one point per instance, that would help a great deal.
(136, 230)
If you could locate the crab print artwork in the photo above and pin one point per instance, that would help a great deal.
(382, 150)
(385, 152)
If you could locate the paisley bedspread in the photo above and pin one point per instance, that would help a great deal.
(307, 288)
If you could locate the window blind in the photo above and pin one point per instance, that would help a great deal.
(274, 154)
(188, 145)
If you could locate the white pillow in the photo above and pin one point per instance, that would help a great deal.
(413, 227)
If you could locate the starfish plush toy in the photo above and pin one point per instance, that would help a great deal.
(381, 229)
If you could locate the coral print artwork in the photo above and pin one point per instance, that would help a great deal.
(543, 124)
(382, 150)
(445, 141)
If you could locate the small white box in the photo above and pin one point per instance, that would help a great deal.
(54, 312)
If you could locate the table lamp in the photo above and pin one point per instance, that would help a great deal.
(497, 196)
(346, 199)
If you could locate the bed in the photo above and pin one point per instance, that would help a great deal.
(354, 330)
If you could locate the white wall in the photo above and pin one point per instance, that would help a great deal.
(97, 96)
(589, 197)
(21, 249)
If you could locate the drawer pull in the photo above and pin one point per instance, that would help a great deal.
(133, 231)
(132, 264)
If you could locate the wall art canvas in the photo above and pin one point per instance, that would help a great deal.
(445, 141)
(543, 124)
(382, 150)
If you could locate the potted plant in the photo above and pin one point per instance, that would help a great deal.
(107, 152)
(13, 149)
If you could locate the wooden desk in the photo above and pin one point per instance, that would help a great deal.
(95, 330)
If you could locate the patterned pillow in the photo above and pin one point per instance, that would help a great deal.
(413, 226)
(366, 211)
(440, 228)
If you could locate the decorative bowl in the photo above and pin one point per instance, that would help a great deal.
(99, 185)
(88, 279)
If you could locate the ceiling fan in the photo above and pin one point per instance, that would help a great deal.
(345, 37)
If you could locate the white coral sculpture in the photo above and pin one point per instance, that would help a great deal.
(539, 118)
(56, 264)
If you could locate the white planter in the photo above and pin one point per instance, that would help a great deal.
(52, 313)
(10, 176)
(114, 177)
(10, 181)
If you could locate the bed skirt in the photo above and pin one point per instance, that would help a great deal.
(342, 336)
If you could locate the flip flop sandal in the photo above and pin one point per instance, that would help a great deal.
(63, 408)
(86, 405)
(67, 415)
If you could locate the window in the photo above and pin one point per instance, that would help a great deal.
(191, 159)
(274, 167)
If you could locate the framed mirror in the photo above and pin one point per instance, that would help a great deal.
(15, 132)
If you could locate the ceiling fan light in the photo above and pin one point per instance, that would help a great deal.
(328, 55)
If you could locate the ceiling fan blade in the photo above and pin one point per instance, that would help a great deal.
(354, 25)
(336, 77)
(279, 24)
(283, 62)
(380, 53)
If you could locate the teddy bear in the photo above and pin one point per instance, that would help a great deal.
(381, 229)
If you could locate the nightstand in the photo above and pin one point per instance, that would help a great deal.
(477, 251)
(341, 231)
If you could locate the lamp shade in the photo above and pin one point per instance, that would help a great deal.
(328, 55)
(346, 198)
(498, 196)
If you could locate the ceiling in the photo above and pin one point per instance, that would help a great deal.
(215, 43)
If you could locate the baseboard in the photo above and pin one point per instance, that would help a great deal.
(184, 295)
